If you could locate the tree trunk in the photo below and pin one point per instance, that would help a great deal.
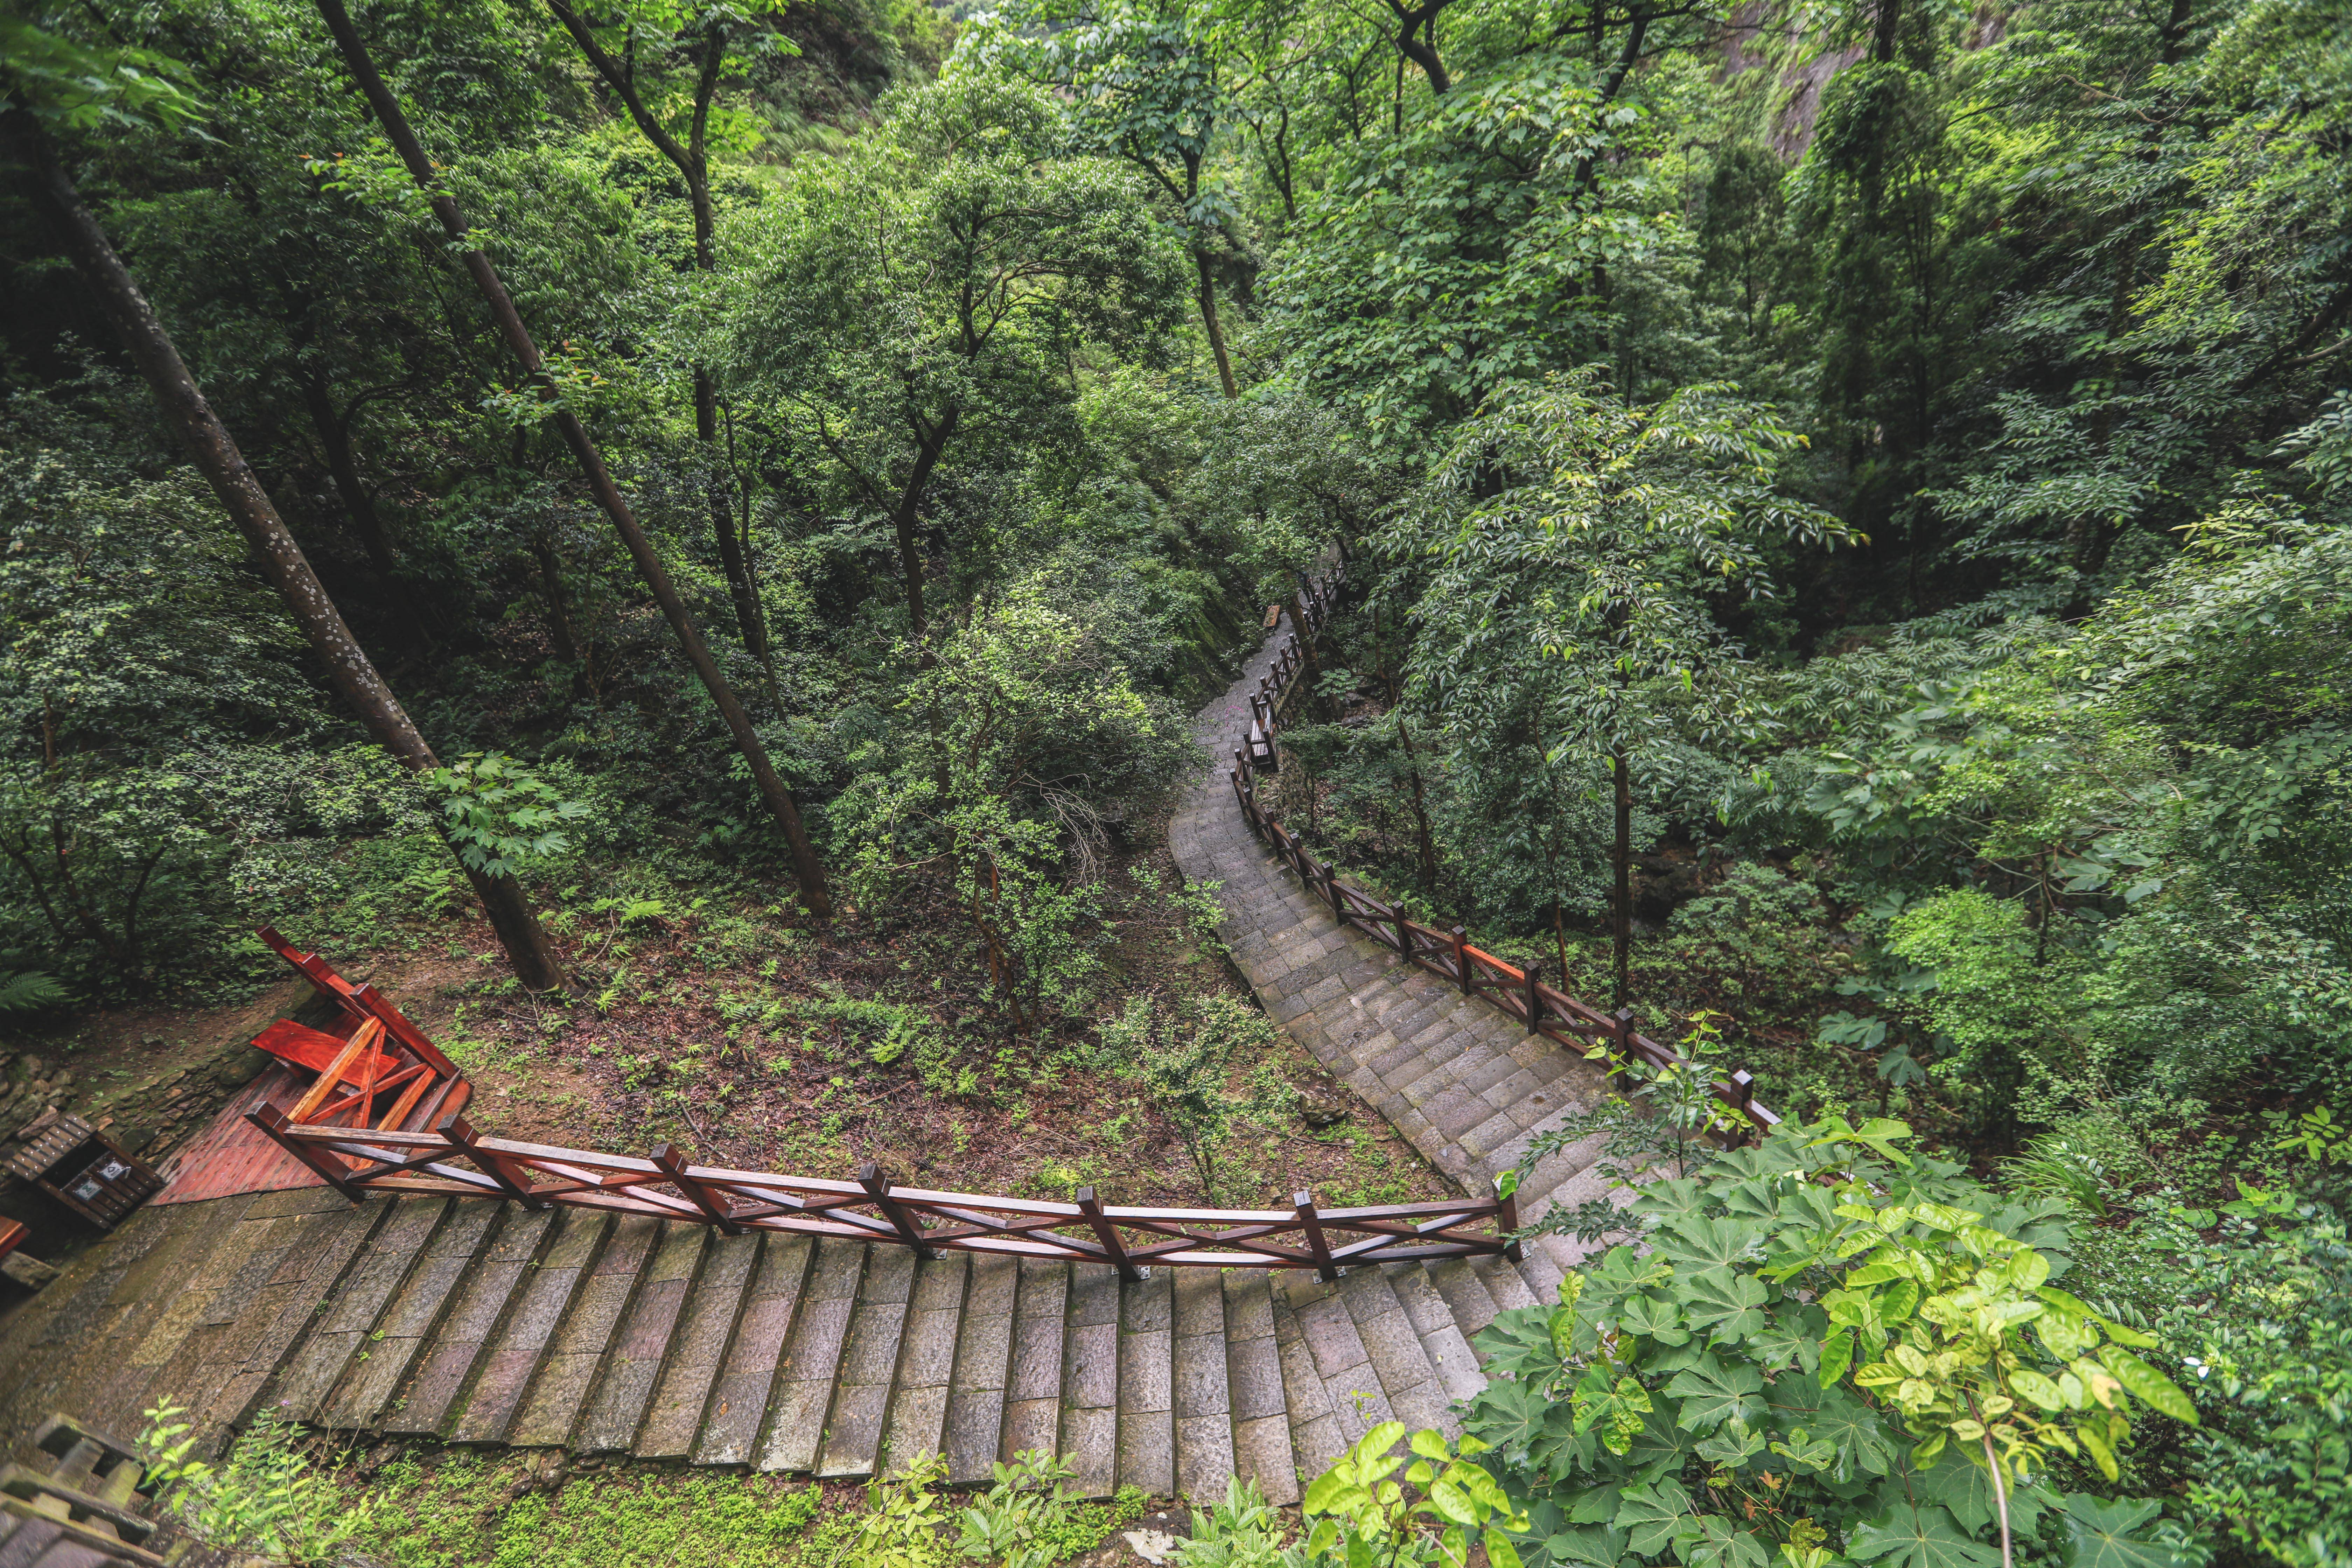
(777, 799)
(1209, 320)
(1623, 854)
(335, 440)
(731, 559)
(559, 610)
(249, 505)
(928, 447)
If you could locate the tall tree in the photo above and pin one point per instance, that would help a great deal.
(518, 340)
(215, 454)
(1575, 543)
(708, 35)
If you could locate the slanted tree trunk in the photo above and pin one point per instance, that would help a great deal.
(693, 164)
(1623, 854)
(249, 505)
(777, 799)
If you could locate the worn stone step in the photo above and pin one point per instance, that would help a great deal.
(552, 1412)
(983, 1360)
(1254, 1388)
(367, 1288)
(705, 1329)
(375, 1378)
(926, 1352)
(1033, 1388)
(1146, 1396)
(869, 1361)
(227, 1336)
(512, 1356)
(805, 1378)
(258, 1342)
(1317, 1434)
(1415, 1394)
(1503, 1283)
(1203, 1401)
(156, 1353)
(1542, 1270)
(1442, 1339)
(437, 1391)
(739, 1401)
(633, 1363)
(1465, 1294)
(1091, 1379)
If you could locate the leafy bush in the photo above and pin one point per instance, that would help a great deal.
(1026, 1519)
(1186, 1062)
(1824, 1346)
(265, 1500)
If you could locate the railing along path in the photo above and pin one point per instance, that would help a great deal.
(334, 1129)
(1445, 953)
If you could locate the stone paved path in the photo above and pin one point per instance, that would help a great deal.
(1465, 1083)
(488, 1323)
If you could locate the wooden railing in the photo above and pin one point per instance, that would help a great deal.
(446, 1156)
(1445, 953)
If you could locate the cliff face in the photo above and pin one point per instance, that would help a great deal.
(1796, 69)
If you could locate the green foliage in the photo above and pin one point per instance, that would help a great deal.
(264, 1500)
(1364, 1519)
(501, 816)
(1244, 1531)
(1028, 1519)
(28, 991)
(1186, 1061)
(1823, 1344)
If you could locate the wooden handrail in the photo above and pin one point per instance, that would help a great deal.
(1445, 953)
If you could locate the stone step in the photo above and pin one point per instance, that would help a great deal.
(706, 1331)
(983, 1363)
(1033, 1387)
(1442, 1339)
(375, 1378)
(437, 1391)
(1089, 1438)
(804, 1389)
(552, 1412)
(367, 1288)
(632, 1364)
(331, 1235)
(1393, 1345)
(1203, 1399)
(1317, 1434)
(1147, 1400)
(511, 1359)
(731, 1431)
(1465, 1293)
(1254, 1385)
(869, 1361)
(927, 1355)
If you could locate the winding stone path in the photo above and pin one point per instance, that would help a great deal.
(485, 1322)
(1463, 1082)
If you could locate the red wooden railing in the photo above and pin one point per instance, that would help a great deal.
(1445, 953)
(443, 1154)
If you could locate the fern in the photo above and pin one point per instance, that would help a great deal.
(28, 991)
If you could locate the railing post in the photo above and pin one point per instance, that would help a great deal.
(878, 1187)
(1535, 1000)
(273, 1122)
(1622, 1022)
(1108, 1233)
(1303, 1205)
(1461, 957)
(1404, 932)
(664, 1156)
(1507, 1217)
(458, 1134)
(1743, 1093)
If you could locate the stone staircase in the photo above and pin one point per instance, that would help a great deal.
(488, 1323)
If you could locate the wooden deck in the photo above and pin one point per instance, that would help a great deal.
(233, 1155)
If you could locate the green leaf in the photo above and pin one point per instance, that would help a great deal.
(1596, 1505)
(2103, 1534)
(1709, 1244)
(1709, 1541)
(1908, 1537)
(1650, 1515)
(1861, 1442)
(1652, 1319)
(1598, 1545)
(1712, 1394)
(2146, 1384)
(1730, 1306)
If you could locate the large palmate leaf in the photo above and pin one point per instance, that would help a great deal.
(1792, 1334)
(1587, 1545)
(1653, 1319)
(1965, 1486)
(1709, 1244)
(1508, 1417)
(1712, 1394)
(1518, 1344)
(1661, 1448)
(1650, 1515)
(1729, 1306)
(1595, 1505)
(2104, 1533)
(1908, 1537)
(1681, 1198)
(1710, 1541)
(1863, 1445)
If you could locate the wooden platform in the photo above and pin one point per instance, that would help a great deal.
(232, 1155)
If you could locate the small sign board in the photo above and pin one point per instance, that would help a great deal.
(1273, 617)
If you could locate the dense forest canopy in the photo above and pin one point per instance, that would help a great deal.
(1846, 511)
